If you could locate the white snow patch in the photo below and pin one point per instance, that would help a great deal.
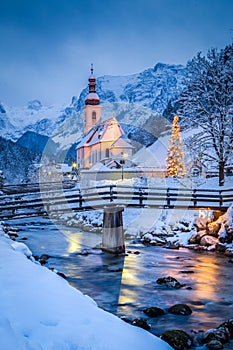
(22, 248)
(41, 311)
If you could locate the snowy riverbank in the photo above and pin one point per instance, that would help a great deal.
(41, 311)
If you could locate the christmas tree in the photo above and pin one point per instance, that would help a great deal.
(175, 158)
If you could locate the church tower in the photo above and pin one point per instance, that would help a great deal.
(92, 109)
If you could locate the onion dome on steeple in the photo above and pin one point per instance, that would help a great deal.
(92, 98)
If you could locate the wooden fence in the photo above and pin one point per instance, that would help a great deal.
(93, 198)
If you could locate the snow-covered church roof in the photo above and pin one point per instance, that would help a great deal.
(107, 131)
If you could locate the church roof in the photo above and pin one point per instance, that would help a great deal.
(121, 143)
(100, 133)
(92, 99)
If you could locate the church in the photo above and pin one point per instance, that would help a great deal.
(103, 141)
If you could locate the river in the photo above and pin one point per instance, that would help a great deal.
(126, 285)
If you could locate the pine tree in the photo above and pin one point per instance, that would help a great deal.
(175, 159)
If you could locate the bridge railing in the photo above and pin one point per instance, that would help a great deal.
(100, 196)
(37, 187)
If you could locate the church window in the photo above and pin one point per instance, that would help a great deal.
(93, 117)
(107, 153)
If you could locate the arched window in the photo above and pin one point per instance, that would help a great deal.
(107, 153)
(93, 117)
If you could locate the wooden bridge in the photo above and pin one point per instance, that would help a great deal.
(112, 199)
(67, 200)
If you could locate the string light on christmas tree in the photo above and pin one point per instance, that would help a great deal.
(175, 158)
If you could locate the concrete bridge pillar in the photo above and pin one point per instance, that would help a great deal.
(113, 234)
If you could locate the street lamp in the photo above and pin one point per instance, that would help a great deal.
(74, 165)
(74, 170)
(123, 156)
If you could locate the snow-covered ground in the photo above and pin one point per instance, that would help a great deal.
(41, 311)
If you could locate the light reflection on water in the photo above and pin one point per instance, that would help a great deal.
(126, 285)
(74, 245)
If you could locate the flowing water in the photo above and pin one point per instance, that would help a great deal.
(126, 285)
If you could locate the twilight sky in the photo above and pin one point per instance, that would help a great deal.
(47, 46)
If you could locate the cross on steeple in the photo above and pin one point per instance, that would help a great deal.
(92, 69)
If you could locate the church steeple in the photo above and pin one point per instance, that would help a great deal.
(92, 98)
(92, 109)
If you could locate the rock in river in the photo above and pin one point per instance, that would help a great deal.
(214, 345)
(180, 309)
(154, 311)
(221, 334)
(178, 339)
(169, 282)
(229, 325)
(141, 322)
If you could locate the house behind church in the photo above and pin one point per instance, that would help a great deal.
(103, 141)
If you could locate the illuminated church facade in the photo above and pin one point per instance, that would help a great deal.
(103, 141)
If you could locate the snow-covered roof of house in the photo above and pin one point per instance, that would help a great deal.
(154, 155)
(102, 132)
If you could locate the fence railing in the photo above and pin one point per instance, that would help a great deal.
(92, 198)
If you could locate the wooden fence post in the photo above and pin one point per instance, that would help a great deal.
(168, 197)
(194, 198)
(140, 195)
(111, 193)
(220, 198)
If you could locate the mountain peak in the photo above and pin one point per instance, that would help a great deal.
(2, 109)
(160, 66)
(163, 66)
(36, 105)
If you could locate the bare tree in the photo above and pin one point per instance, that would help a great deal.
(206, 104)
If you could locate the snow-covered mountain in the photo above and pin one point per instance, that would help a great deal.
(136, 100)
(15, 121)
(153, 88)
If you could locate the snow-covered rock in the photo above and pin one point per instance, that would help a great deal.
(208, 240)
(215, 232)
(197, 236)
(22, 248)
